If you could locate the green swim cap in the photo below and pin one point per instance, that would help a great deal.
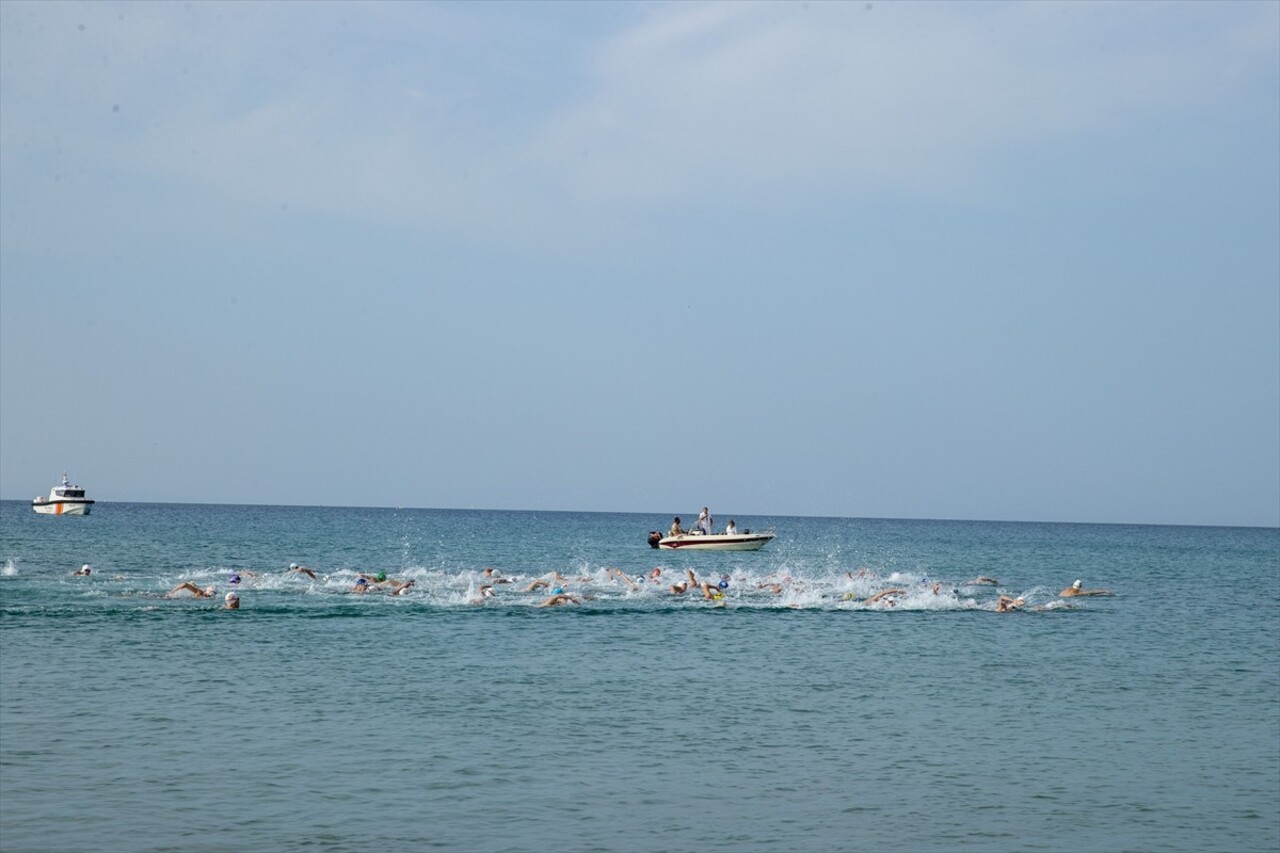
(380, 577)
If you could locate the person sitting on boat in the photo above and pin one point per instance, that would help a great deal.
(704, 521)
(188, 586)
(676, 529)
(1075, 589)
(731, 529)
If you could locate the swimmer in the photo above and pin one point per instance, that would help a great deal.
(983, 581)
(486, 591)
(362, 585)
(188, 586)
(1008, 604)
(491, 574)
(710, 591)
(1075, 589)
(654, 575)
(82, 572)
(302, 570)
(885, 595)
(622, 576)
(232, 601)
(559, 599)
(536, 584)
(400, 587)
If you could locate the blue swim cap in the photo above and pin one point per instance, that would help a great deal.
(724, 584)
(361, 582)
(558, 591)
(234, 579)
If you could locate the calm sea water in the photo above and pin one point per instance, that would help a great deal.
(313, 719)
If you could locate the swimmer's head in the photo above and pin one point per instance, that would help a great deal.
(85, 568)
(558, 591)
(361, 582)
(1077, 584)
(231, 596)
(724, 583)
(380, 577)
(210, 590)
(234, 579)
(293, 566)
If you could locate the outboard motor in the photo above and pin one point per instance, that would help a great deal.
(654, 538)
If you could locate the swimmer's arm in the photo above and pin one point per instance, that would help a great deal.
(623, 575)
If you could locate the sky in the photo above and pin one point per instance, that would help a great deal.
(1005, 261)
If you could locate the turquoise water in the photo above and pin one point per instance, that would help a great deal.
(315, 719)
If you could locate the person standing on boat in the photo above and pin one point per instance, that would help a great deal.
(704, 521)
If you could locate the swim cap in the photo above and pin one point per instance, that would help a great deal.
(85, 568)
(558, 591)
(380, 577)
(231, 596)
(210, 590)
(724, 584)
(293, 565)
(1076, 585)
(361, 582)
(234, 579)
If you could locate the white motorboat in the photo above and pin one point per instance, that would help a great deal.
(699, 541)
(64, 499)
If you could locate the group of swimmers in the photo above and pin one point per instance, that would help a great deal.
(713, 590)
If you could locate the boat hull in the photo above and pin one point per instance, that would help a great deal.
(62, 507)
(715, 542)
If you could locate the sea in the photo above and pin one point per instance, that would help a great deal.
(776, 710)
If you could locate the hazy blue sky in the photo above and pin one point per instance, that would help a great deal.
(984, 261)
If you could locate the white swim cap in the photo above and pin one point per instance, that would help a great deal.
(85, 567)
(210, 590)
(1077, 584)
(231, 596)
(293, 565)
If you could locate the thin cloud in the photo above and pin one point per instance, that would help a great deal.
(277, 104)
